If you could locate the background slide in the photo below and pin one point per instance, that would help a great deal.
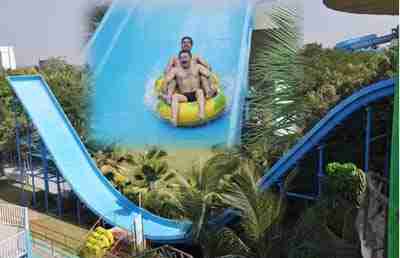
(316, 135)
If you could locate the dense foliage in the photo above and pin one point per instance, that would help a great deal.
(69, 83)
(331, 75)
(282, 111)
(333, 219)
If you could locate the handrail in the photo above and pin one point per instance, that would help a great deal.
(14, 246)
(12, 215)
(18, 244)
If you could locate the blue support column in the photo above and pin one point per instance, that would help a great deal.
(367, 140)
(59, 200)
(46, 175)
(321, 173)
(19, 155)
(30, 164)
(281, 187)
(78, 209)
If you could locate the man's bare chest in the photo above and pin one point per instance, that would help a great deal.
(188, 74)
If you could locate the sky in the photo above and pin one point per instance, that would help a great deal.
(45, 28)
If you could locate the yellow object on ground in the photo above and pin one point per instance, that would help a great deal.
(98, 243)
(189, 111)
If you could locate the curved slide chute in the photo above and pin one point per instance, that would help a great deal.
(79, 170)
(316, 135)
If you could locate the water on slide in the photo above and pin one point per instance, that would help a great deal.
(130, 50)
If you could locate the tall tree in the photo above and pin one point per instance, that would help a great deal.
(275, 75)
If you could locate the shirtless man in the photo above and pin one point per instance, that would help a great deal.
(187, 44)
(187, 76)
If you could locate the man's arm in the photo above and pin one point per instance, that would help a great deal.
(204, 71)
(170, 86)
(203, 62)
(170, 65)
(207, 85)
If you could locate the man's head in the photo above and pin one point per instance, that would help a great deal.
(187, 43)
(185, 58)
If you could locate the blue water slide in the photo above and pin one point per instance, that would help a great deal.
(77, 167)
(348, 42)
(365, 42)
(130, 50)
(317, 134)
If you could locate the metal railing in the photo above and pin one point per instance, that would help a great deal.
(11, 215)
(14, 246)
(17, 245)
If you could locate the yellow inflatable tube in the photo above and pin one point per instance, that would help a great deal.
(189, 111)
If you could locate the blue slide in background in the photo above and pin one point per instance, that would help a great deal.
(367, 42)
(316, 135)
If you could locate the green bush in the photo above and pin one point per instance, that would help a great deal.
(346, 180)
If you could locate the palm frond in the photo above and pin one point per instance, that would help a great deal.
(226, 243)
(259, 211)
(275, 75)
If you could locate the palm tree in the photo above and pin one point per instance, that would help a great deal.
(275, 78)
(144, 178)
(199, 194)
(260, 214)
(150, 182)
(227, 180)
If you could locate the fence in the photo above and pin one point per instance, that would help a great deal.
(12, 215)
(17, 245)
(14, 246)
